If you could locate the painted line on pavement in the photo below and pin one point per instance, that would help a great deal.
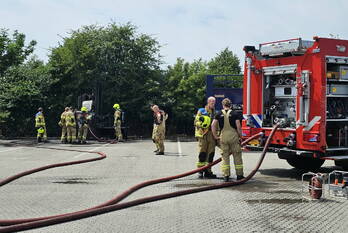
(179, 147)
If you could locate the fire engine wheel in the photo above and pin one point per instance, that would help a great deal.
(342, 163)
(305, 163)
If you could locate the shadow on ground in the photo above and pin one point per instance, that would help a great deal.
(294, 173)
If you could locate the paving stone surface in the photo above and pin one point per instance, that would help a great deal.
(271, 201)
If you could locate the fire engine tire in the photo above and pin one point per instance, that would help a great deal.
(308, 164)
(342, 163)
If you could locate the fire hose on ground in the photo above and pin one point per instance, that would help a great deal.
(113, 204)
(100, 139)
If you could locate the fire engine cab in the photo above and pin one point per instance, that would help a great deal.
(303, 86)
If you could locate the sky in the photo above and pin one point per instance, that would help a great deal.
(190, 29)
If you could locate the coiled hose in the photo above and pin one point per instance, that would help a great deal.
(113, 204)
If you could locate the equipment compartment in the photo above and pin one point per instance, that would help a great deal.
(279, 99)
(337, 104)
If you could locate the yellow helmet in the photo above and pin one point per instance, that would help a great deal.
(206, 120)
(116, 106)
(84, 109)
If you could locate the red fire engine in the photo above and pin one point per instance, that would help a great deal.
(303, 85)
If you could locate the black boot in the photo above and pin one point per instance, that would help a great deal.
(209, 175)
(200, 175)
(240, 177)
(160, 153)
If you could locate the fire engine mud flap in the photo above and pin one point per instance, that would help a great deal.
(307, 164)
(289, 154)
(341, 161)
(303, 160)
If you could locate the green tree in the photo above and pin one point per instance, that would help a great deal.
(13, 51)
(186, 86)
(224, 63)
(17, 81)
(185, 92)
(23, 88)
(114, 59)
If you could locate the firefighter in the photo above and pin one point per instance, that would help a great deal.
(230, 128)
(206, 141)
(154, 130)
(62, 123)
(82, 122)
(118, 122)
(40, 126)
(70, 126)
(158, 133)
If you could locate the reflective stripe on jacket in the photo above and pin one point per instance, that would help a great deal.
(70, 119)
(39, 120)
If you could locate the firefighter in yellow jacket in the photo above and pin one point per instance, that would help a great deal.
(206, 141)
(70, 126)
(159, 129)
(82, 121)
(230, 128)
(40, 126)
(118, 122)
(62, 123)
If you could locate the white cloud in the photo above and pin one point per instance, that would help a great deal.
(189, 29)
